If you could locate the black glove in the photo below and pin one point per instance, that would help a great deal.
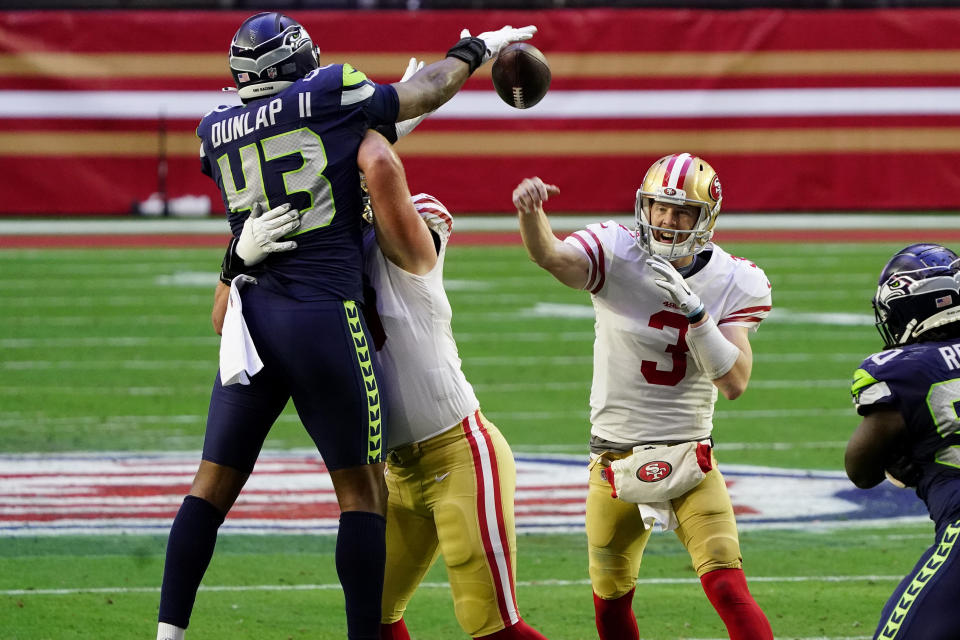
(232, 265)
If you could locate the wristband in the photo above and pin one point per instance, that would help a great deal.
(713, 353)
(697, 314)
(232, 264)
(470, 50)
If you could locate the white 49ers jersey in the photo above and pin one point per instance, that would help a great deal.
(646, 386)
(426, 390)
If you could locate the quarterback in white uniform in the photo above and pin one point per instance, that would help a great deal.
(673, 314)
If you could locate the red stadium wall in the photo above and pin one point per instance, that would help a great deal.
(797, 110)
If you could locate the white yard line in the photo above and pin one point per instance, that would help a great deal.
(437, 585)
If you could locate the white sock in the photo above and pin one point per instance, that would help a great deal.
(169, 632)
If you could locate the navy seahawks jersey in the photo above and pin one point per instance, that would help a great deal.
(922, 382)
(300, 146)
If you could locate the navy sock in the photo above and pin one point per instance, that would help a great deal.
(361, 555)
(193, 536)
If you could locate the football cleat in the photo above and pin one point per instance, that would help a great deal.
(269, 52)
(918, 293)
(679, 179)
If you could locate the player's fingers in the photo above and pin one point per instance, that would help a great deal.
(285, 229)
(282, 246)
(553, 190)
(276, 212)
(522, 201)
(271, 226)
(255, 210)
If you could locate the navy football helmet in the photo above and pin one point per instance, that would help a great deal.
(917, 294)
(269, 52)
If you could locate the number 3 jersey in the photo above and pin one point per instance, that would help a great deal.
(921, 382)
(300, 146)
(646, 386)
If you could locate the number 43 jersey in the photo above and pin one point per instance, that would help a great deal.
(646, 385)
(300, 146)
(922, 382)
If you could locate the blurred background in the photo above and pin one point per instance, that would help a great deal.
(816, 106)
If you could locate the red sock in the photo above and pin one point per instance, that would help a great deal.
(615, 619)
(519, 631)
(728, 593)
(394, 631)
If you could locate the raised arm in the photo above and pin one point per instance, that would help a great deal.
(567, 264)
(436, 83)
(401, 233)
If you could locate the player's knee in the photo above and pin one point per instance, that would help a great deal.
(611, 584)
(361, 488)
(475, 615)
(718, 552)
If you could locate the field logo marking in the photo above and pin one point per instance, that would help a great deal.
(291, 492)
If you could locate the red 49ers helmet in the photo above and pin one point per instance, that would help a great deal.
(679, 179)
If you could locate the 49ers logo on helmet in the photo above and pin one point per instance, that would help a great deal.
(654, 471)
(715, 192)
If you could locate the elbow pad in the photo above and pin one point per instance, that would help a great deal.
(714, 354)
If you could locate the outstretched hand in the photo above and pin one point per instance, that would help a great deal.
(530, 194)
(495, 41)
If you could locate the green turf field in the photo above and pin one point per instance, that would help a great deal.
(112, 350)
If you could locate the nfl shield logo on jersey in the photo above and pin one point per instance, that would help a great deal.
(272, 73)
(654, 471)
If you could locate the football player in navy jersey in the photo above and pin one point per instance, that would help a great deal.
(293, 145)
(910, 432)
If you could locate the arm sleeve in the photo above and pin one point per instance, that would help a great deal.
(752, 300)
(868, 391)
(378, 101)
(591, 241)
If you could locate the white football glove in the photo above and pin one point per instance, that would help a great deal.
(412, 67)
(406, 126)
(497, 40)
(262, 230)
(673, 283)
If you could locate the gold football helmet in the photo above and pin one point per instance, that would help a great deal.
(680, 179)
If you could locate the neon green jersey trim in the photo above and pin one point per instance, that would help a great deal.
(351, 76)
(364, 359)
(861, 379)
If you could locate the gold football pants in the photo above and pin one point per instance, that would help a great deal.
(453, 495)
(616, 537)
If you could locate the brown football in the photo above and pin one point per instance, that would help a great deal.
(521, 75)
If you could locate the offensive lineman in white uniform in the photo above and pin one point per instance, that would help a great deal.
(673, 312)
(450, 473)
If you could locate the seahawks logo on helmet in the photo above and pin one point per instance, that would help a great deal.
(918, 295)
(269, 52)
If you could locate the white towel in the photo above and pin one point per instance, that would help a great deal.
(658, 513)
(238, 355)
